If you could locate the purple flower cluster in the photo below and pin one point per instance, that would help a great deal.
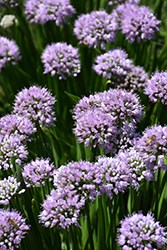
(16, 124)
(61, 59)
(97, 27)
(9, 52)
(136, 22)
(107, 119)
(153, 146)
(116, 66)
(42, 11)
(141, 232)
(118, 173)
(11, 150)
(113, 2)
(37, 104)
(37, 172)
(12, 229)
(74, 184)
(8, 188)
(156, 87)
(12, 3)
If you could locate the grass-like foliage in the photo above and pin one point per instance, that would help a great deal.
(83, 134)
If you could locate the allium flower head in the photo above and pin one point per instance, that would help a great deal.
(11, 150)
(11, 3)
(7, 21)
(136, 22)
(96, 28)
(42, 11)
(15, 123)
(37, 172)
(113, 2)
(61, 59)
(74, 184)
(8, 188)
(9, 52)
(113, 64)
(156, 87)
(141, 232)
(153, 146)
(37, 104)
(12, 229)
(107, 119)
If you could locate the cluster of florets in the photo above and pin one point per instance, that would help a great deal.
(153, 146)
(42, 11)
(141, 232)
(12, 150)
(7, 21)
(9, 52)
(156, 87)
(12, 3)
(118, 173)
(73, 186)
(8, 188)
(16, 124)
(107, 119)
(96, 28)
(12, 229)
(37, 104)
(113, 2)
(116, 66)
(37, 172)
(61, 59)
(136, 22)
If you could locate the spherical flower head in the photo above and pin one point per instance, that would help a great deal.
(12, 229)
(37, 172)
(156, 87)
(37, 104)
(42, 11)
(9, 52)
(141, 232)
(74, 184)
(80, 175)
(113, 64)
(16, 124)
(153, 146)
(8, 188)
(107, 119)
(11, 150)
(7, 21)
(137, 22)
(61, 59)
(96, 28)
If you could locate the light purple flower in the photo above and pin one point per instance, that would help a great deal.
(37, 104)
(11, 123)
(42, 11)
(9, 52)
(61, 59)
(37, 172)
(136, 22)
(138, 232)
(11, 150)
(113, 2)
(74, 184)
(11, 3)
(107, 119)
(156, 87)
(12, 229)
(8, 188)
(153, 146)
(97, 27)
